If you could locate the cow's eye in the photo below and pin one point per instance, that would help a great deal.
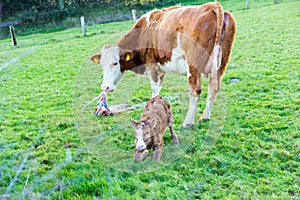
(115, 63)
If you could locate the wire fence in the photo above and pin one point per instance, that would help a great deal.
(113, 15)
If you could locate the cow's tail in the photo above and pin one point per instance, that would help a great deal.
(220, 18)
(217, 51)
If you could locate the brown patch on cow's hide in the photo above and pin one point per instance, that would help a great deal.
(227, 40)
(194, 80)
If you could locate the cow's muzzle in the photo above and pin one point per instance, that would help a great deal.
(107, 89)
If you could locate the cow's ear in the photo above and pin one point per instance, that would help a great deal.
(126, 55)
(133, 123)
(96, 58)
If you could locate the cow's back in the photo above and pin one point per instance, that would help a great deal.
(157, 108)
(155, 34)
(198, 28)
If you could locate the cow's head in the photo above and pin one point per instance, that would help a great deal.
(142, 133)
(112, 58)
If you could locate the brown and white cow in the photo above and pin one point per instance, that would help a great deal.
(191, 40)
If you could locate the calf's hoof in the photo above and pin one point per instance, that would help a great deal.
(175, 140)
(140, 156)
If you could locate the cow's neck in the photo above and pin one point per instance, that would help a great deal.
(129, 65)
(136, 64)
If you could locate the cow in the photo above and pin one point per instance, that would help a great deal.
(156, 117)
(186, 40)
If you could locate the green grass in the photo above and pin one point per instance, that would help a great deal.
(249, 150)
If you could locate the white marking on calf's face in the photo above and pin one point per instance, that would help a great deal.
(110, 57)
(142, 133)
(140, 144)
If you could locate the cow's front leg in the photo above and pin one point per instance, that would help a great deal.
(156, 80)
(195, 90)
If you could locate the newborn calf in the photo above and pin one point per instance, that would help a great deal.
(151, 127)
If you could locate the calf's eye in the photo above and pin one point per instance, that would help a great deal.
(115, 63)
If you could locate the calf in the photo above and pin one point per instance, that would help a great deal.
(151, 127)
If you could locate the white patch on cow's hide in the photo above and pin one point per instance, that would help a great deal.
(140, 144)
(110, 58)
(147, 17)
(214, 62)
(109, 55)
(177, 64)
(155, 86)
(188, 73)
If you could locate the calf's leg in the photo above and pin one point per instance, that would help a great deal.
(174, 136)
(170, 125)
(140, 156)
(159, 144)
(157, 153)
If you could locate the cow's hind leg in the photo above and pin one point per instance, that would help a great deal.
(213, 89)
(195, 90)
(214, 85)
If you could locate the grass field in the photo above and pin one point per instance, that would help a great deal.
(249, 150)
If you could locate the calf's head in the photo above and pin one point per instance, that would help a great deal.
(111, 59)
(142, 133)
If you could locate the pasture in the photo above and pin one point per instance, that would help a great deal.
(51, 148)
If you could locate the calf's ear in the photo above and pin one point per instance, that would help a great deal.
(150, 122)
(96, 58)
(126, 55)
(133, 123)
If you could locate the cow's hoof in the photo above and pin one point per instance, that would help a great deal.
(187, 125)
(202, 119)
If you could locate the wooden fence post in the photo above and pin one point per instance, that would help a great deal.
(247, 4)
(277, 1)
(13, 35)
(83, 26)
(134, 15)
